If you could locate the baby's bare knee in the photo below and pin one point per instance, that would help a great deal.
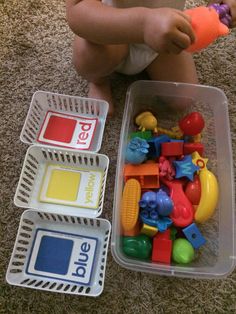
(93, 61)
(90, 59)
(80, 57)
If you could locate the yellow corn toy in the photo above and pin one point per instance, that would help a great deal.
(209, 190)
(130, 204)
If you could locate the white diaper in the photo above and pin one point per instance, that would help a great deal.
(140, 55)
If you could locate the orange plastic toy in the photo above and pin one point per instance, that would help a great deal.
(147, 174)
(130, 205)
(206, 25)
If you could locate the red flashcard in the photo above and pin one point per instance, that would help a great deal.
(60, 129)
(72, 131)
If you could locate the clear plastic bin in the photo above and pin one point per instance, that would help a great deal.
(169, 102)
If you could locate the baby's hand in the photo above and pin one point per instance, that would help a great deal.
(167, 30)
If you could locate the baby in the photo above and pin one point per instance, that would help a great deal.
(129, 36)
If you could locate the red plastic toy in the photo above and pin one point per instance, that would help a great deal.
(162, 247)
(193, 190)
(192, 124)
(172, 149)
(190, 148)
(183, 212)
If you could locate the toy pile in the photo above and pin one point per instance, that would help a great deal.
(168, 191)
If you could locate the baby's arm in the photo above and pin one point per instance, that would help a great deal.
(164, 29)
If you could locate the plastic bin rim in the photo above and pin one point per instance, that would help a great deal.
(176, 84)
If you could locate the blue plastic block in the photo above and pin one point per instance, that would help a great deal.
(194, 235)
(54, 255)
(155, 145)
(172, 140)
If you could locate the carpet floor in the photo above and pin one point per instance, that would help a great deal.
(35, 54)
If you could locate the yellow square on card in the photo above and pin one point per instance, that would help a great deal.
(63, 185)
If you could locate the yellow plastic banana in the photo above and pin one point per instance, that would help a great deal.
(209, 190)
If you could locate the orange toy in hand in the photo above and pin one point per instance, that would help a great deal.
(206, 25)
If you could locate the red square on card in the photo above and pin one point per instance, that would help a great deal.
(60, 129)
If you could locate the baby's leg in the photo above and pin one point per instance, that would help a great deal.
(95, 63)
(174, 68)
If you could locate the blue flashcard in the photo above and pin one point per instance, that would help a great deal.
(63, 256)
(54, 255)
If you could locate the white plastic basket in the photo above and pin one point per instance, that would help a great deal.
(44, 104)
(40, 160)
(80, 241)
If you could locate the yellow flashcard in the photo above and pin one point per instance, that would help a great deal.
(63, 185)
(71, 186)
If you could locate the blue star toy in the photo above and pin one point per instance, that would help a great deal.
(185, 168)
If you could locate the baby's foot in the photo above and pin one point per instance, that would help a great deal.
(102, 90)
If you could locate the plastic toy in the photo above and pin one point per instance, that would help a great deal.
(194, 236)
(132, 232)
(166, 168)
(146, 121)
(223, 11)
(190, 148)
(149, 230)
(183, 212)
(129, 205)
(161, 223)
(183, 251)
(162, 248)
(192, 124)
(173, 133)
(136, 151)
(139, 247)
(206, 25)
(159, 201)
(172, 149)
(146, 135)
(193, 190)
(185, 168)
(147, 174)
(173, 233)
(209, 190)
(155, 145)
(164, 203)
(148, 200)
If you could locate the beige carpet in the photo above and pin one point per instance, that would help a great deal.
(35, 54)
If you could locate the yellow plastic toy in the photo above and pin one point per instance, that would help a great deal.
(174, 132)
(130, 204)
(147, 121)
(149, 230)
(209, 190)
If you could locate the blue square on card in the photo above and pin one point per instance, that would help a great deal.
(54, 255)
